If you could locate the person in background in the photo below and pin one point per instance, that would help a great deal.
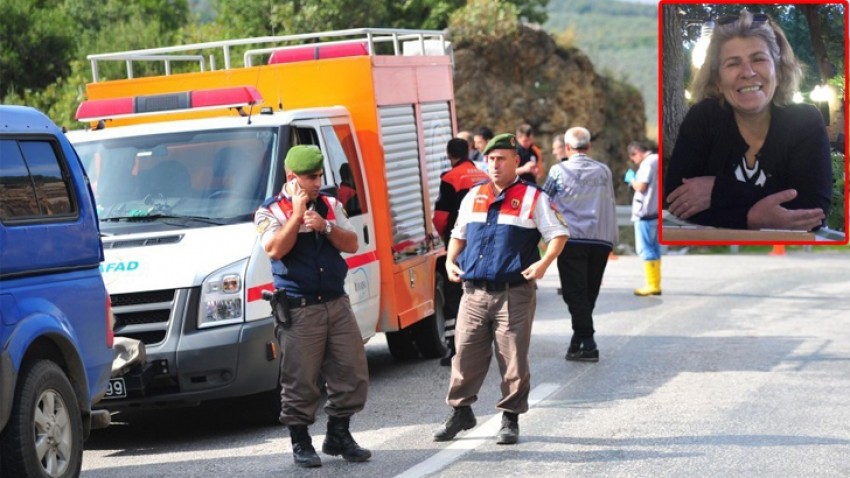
(559, 148)
(531, 159)
(493, 250)
(474, 153)
(582, 191)
(482, 136)
(347, 191)
(454, 184)
(303, 231)
(645, 215)
(746, 156)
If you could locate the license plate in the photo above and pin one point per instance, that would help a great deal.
(116, 389)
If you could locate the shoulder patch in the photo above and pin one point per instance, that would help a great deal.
(263, 225)
(560, 217)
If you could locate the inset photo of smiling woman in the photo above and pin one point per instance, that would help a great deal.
(753, 115)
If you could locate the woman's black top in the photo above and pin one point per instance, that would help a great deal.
(795, 155)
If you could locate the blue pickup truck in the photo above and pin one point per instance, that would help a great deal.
(55, 318)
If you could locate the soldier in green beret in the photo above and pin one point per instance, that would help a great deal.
(493, 251)
(303, 232)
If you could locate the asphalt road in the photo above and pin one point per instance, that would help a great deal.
(741, 368)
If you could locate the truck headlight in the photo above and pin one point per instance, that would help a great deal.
(222, 295)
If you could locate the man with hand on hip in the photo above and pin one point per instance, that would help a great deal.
(493, 251)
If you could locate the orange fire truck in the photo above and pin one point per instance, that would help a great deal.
(180, 161)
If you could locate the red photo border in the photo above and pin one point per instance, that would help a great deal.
(661, 126)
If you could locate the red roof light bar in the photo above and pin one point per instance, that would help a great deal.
(95, 110)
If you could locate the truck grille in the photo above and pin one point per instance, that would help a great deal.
(151, 296)
(143, 316)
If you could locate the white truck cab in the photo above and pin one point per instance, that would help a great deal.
(176, 202)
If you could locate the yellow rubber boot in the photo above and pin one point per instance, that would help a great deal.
(653, 279)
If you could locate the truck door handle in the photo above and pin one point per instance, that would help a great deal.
(366, 234)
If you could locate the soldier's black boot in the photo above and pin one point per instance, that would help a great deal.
(339, 441)
(303, 453)
(461, 418)
(509, 434)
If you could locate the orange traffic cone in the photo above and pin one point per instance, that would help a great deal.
(778, 250)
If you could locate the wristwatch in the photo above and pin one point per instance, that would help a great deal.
(328, 227)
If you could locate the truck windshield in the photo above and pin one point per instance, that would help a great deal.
(220, 175)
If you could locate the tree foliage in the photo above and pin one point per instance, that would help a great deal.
(243, 18)
(36, 44)
(321, 15)
(44, 43)
(43, 46)
(482, 21)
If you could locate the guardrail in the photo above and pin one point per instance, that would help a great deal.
(624, 216)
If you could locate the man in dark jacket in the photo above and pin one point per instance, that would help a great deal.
(454, 184)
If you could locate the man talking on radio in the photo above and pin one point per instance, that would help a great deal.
(303, 232)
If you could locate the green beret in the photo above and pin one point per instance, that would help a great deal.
(502, 141)
(303, 159)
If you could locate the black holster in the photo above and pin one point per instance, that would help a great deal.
(280, 306)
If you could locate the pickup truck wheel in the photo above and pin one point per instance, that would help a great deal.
(44, 436)
(430, 333)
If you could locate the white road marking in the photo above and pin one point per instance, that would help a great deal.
(475, 437)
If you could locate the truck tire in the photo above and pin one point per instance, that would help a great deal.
(430, 332)
(44, 436)
(401, 345)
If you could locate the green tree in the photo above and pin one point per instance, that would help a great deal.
(167, 15)
(115, 25)
(484, 21)
(36, 44)
(294, 17)
(245, 18)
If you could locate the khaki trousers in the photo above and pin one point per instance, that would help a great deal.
(324, 339)
(488, 322)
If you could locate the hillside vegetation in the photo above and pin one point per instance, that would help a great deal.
(621, 39)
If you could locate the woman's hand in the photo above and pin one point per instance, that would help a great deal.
(692, 197)
(768, 213)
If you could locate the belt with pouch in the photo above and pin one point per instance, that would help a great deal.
(494, 286)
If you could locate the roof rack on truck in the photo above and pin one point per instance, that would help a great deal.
(404, 42)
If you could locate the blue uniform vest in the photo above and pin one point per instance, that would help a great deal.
(314, 266)
(501, 236)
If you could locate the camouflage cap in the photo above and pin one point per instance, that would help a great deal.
(502, 141)
(303, 159)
